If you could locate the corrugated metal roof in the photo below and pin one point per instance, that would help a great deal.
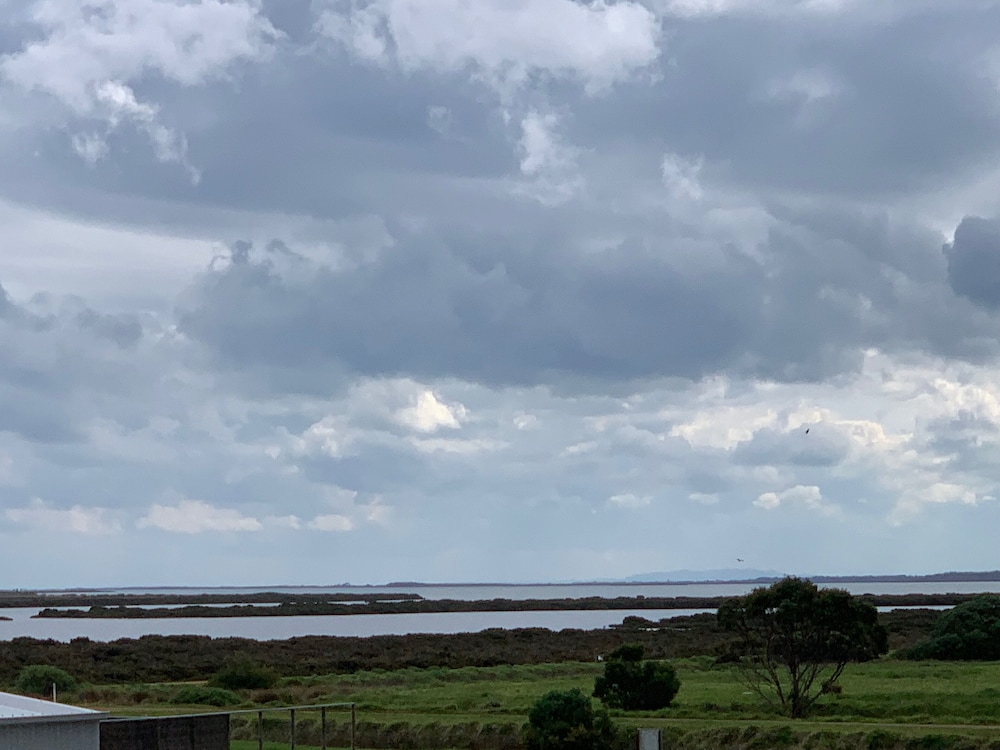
(20, 707)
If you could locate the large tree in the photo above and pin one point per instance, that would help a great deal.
(793, 639)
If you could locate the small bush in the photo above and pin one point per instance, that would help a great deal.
(205, 696)
(565, 720)
(245, 675)
(39, 678)
(634, 685)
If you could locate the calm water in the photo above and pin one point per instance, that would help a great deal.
(271, 628)
(477, 591)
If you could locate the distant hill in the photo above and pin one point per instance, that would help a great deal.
(950, 577)
(732, 575)
(701, 576)
(754, 575)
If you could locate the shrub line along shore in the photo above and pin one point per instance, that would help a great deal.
(286, 605)
(155, 658)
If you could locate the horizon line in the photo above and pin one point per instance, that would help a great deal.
(946, 576)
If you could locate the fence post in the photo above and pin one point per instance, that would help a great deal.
(292, 712)
(260, 730)
(322, 728)
(353, 724)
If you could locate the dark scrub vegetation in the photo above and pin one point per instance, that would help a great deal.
(245, 675)
(970, 631)
(164, 658)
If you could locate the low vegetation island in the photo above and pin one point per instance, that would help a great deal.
(285, 605)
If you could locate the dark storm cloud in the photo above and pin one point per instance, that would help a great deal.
(966, 443)
(795, 103)
(6, 306)
(484, 313)
(294, 18)
(33, 415)
(322, 145)
(49, 350)
(517, 308)
(123, 329)
(949, 434)
(502, 292)
(974, 261)
(475, 311)
(801, 103)
(74, 316)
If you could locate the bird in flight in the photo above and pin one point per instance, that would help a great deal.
(739, 559)
(807, 430)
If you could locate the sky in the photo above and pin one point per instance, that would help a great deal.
(318, 291)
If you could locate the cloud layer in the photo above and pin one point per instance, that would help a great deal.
(426, 290)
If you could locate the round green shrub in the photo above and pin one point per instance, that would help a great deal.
(635, 685)
(39, 678)
(565, 720)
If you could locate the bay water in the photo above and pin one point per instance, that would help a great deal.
(281, 627)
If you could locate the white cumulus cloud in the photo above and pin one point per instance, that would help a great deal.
(331, 522)
(78, 519)
(504, 42)
(329, 435)
(197, 517)
(548, 163)
(89, 56)
(429, 414)
(807, 496)
(628, 500)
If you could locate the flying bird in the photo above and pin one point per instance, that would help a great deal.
(807, 430)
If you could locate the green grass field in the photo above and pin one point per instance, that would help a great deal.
(910, 699)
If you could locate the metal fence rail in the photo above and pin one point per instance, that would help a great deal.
(292, 722)
(293, 716)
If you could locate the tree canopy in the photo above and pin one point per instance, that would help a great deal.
(634, 685)
(970, 630)
(793, 639)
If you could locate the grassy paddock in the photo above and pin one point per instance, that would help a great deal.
(883, 704)
(883, 691)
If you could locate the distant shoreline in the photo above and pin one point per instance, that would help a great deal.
(948, 577)
(290, 605)
(951, 577)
